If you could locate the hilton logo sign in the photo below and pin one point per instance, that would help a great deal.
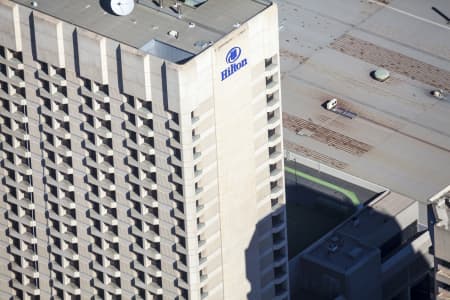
(233, 66)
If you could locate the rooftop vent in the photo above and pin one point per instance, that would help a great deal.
(439, 94)
(381, 74)
(173, 33)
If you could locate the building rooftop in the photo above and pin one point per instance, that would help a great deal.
(441, 207)
(400, 137)
(352, 241)
(196, 28)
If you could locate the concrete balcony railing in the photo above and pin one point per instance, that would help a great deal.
(66, 253)
(99, 95)
(55, 79)
(29, 288)
(12, 62)
(98, 113)
(150, 252)
(29, 271)
(56, 96)
(443, 274)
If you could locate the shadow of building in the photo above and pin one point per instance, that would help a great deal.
(267, 258)
(381, 252)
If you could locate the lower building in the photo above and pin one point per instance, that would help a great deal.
(379, 253)
(440, 228)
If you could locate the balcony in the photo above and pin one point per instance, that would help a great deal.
(17, 115)
(14, 80)
(18, 133)
(276, 192)
(103, 166)
(19, 150)
(274, 140)
(173, 125)
(106, 184)
(23, 202)
(65, 219)
(98, 113)
(61, 149)
(273, 122)
(22, 185)
(271, 70)
(143, 147)
(443, 294)
(111, 271)
(202, 261)
(60, 132)
(181, 283)
(111, 287)
(100, 131)
(60, 166)
(67, 253)
(148, 234)
(25, 219)
(107, 235)
(66, 236)
(55, 79)
(29, 271)
(70, 287)
(68, 270)
(182, 266)
(150, 269)
(109, 252)
(22, 168)
(279, 242)
(150, 252)
(99, 95)
(199, 191)
(180, 249)
(12, 62)
(28, 253)
(147, 218)
(59, 115)
(276, 174)
(273, 104)
(200, 226)
(200, 207)
(29, 288)
(147, 200)
(443, 274)
(105, 218)
(272, 87)
(275, 157)
(57, 97)
(17, 99)
(142, 112)
(62, 184)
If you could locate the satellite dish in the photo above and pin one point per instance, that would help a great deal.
(122, 7)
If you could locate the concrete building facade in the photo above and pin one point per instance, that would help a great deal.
(141, 156)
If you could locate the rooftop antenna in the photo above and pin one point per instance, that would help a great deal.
(122, 7)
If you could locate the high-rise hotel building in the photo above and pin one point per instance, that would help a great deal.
(141, 155)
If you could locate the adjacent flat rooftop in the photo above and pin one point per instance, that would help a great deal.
(197, 27)
(352, 241)
(400, 137)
